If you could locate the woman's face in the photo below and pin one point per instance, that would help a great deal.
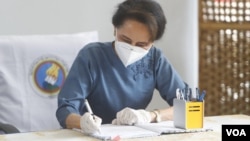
(134, 33)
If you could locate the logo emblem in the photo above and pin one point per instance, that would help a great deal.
(47, 75)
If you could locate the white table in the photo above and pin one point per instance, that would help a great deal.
(69, 135)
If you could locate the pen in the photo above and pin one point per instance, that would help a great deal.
(178, 95)
(90, 111)
(197, 94)
(201, 98)
(88, 107)
(190, 94)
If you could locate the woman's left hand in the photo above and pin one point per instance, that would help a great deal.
(129, 116)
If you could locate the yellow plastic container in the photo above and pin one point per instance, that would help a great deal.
(188, 114)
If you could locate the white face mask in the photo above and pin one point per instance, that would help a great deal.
(128, 53)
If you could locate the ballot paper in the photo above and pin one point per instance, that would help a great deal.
(114, 132)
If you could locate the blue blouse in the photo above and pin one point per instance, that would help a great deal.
(97, 74)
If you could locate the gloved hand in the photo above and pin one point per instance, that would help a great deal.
(128, 116)
(90, 123)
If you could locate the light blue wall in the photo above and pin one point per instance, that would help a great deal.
(180, 42)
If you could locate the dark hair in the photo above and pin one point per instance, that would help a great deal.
(148, 12)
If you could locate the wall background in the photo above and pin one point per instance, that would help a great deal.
(180, 42)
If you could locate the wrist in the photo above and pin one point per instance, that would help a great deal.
(156, 116)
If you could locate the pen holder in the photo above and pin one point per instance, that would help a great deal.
(188, 114)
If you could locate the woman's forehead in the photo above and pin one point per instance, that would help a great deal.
(134, 30)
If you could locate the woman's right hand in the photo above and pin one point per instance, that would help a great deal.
(90, 123)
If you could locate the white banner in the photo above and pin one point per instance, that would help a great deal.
(32, 71)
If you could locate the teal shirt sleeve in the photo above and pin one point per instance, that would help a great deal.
(167, 78)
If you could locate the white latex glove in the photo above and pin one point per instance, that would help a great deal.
(90, 123)
(128, 116)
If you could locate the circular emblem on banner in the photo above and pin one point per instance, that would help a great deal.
(47, 75)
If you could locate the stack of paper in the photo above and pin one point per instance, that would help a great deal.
(110, 131)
